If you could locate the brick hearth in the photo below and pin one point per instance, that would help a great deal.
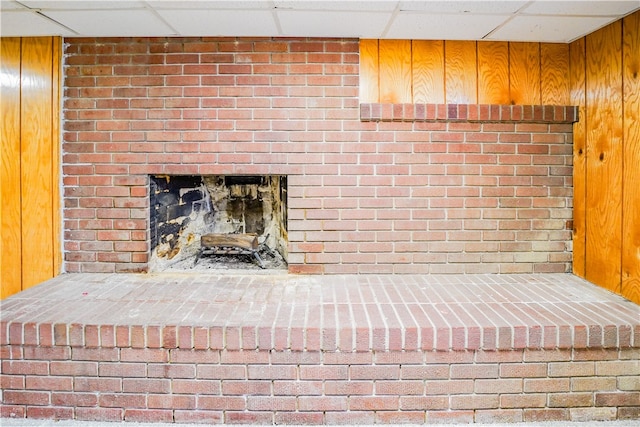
(277, 348)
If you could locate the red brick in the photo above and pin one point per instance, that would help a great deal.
(425, 372)
(23, 397)
(404, 417)
(97, 384)
(298, 418)
(12, 382)
(322, 403)
(271, 403)
(99, 414)
(629, 413)
(171, 371)
(474, 371)
(573, 369)
(475, 401)
(523, 370)
(449, 387)
(55, 413)
(221, 372)
(546, 385)
(46, 353)
(424, 402)
(120, 400)
(11, 411)
(169, 401)
(498, 416)
(537, 415)
(348, 388)
(20, 367)
(221, 403)
(450, 417)
(618, 399)
(74, 399)
(49, 383)
(146, 385)
(323, 372)
(148, 415)
(569, 400)
(362, 372)
(122, 370)
(252, 387)
(198, 417)
(596, 383)
(248, 417)
(144, 355)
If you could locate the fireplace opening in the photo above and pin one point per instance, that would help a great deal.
(229, 210)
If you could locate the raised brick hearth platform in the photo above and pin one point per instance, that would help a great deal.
(286, 349)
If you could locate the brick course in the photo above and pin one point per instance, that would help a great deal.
(373, 188)
(264, 389)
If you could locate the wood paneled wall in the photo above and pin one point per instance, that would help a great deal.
(449, 72)
(605, 83)
(29, 175)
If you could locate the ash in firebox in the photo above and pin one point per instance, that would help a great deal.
(185, 260)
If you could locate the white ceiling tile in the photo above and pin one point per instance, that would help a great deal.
(551, 29)
(210, 4)
(362, 5)
(112, 22)
(11, 5)
(484, 7)
(333, 24)
(27, 24)
(582, 8)
(82, 5)
(415, 25)
(249, 23)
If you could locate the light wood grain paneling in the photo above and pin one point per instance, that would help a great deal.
(436, 71)
(10, 232)
(604, 156)
(578, 97)
(554, 60)
(428, 71)
(461, 79)
(631, 166)
(369, 71)
(395, 71)
(524, 71)
(493, 73)
(36, 161)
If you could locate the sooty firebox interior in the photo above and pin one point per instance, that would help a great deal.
(183, 208)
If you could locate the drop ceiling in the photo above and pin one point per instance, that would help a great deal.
(538, 20)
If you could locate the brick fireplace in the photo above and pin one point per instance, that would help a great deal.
(372, 188)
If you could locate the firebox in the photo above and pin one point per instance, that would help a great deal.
(184, 208)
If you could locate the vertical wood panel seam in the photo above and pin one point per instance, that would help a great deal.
(509, 72)
(444, 69)
(411, 73)
(622, 138)
(55, 154)
(477, 72)
(19, 201)
(540, 84)
(378, 67)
